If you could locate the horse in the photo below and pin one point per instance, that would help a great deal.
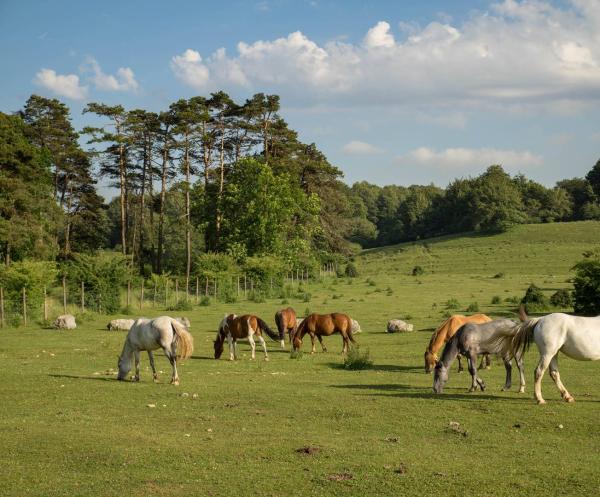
(472, 339)
(235, 327)
(576, 337)
(286, 321)
(445, 332)
(324, 325)
(150, 334)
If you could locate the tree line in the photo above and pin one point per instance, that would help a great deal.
(210, 175)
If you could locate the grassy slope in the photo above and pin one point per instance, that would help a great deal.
(67, 431)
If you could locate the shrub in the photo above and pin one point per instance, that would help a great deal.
(496, 299)
(473, 307)
(351, 270)
(499, 275)
(205, 301)
(182, 305)
(452, 304)
(257, 297)
(512, 300)
(355, 359)
(535, 300)
(307, 311)
(306, 297)
(295, 354)
(586, 293)
(371, 282)
(417, 271)
(561, 298)
(285, 302)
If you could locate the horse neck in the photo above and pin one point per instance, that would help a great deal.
(127, 351)
(450, 352)
(439, 337)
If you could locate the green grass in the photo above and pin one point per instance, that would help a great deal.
(68, 428)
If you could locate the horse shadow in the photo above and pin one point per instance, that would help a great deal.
(388, 368)
(76, 377)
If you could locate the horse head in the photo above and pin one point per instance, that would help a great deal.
(124, 366)
(440, 377)
(430, 360)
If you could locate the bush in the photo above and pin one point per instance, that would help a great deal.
(205, 301)
(473, 307)
(512, 300)
(257, 297)
(295, 354)
(418, 271)
(452, 304)
(307, 312)
(355, 360)
(586, 293)
(182, 305)
(561, 298)
(499, 275)
(496, 299)
(306, 297)
(535, 300)
(351, 270)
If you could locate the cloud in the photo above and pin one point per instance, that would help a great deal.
(453, 120)
(123, 81)
(466, 159)
(517, 53)
(63, 85)
(356, 147)
(188, 67)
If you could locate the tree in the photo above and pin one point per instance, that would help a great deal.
(593, 178)
(586, 294)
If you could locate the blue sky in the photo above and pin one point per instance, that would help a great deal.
(393, 92)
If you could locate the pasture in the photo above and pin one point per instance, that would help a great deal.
(69, 428)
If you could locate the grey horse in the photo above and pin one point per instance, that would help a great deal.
(474, 339)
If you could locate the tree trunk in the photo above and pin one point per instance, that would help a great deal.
(161, 215)
(123, 196)
(218, 216)
(188, 231)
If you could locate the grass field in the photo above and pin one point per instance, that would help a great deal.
(69, 428)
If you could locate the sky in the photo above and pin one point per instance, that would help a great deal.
(393, 92)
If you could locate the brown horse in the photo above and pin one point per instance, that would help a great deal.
(445, 332)
(247, 326)
(324, 325)
(286, 321)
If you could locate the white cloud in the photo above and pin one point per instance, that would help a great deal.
(188, 67)
(454, 120)
(467, 159)
(63, 85)
(356, 147)
(518, 53)
(123, 81)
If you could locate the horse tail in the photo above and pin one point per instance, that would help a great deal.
(522, 314)
(349, 330)
(523, 337)
(279, 322)
(265, 327)
(185, 341)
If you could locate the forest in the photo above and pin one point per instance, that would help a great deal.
(210, 182)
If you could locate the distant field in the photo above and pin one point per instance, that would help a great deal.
(69, 428)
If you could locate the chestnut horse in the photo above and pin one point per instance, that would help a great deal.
(247, 326)
(324, 325)
(286, 321)
(443, 335)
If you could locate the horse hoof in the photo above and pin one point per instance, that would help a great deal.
(541, 402)
(569, 399)
(521, 390)
(155, 379)
(266, 359)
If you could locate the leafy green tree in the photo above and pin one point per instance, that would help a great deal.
(593, 178)
(586, 293)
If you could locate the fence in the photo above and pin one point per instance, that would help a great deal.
(26, 306)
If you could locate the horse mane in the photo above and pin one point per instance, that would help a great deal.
(450, 349)
(442, 327)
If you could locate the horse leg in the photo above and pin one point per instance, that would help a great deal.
(485, 362)
(460, 366)
(543, 364)
(312, 339)
(519, 361)
(136, 355)
(264, 346)
(567, 397)
(475, 380)
(508, 366)
(252, 345)
(231, 344)
(151, 359)
(322, 344)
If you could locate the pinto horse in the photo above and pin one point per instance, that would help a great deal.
(286, 321)
(247, 326)
(444, 333)
(151, 334)
(320, 325)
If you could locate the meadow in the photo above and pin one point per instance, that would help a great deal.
(307, 426)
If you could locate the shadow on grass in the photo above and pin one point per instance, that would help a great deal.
(75, 377)
(391, 368)
(407, 391)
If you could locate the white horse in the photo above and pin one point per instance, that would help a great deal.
(151, 334)
(576, 337)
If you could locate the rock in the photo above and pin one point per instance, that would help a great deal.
(151, 405)
(65, 322)
(120, 324)
(185, 394)
(397, 325)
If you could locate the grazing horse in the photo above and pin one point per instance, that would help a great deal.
(473, 339)
(324, 325)
(576, 337)
(235, 327)
(286, 321)
(444, 333)
(151, 334)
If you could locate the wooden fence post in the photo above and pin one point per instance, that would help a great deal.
(216, 289)
(197, 290)
(24, 307)
(176, 291)
(64, 285)
(142, 294)
(1, 307)
(166, 292)
(128, 293)
(238, 285)
(154, 294)
(45, 307)
(245, 286)
(82, 297)
(187, 287)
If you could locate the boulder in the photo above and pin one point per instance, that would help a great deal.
(65, 322)
(397, 325)
(120, 324)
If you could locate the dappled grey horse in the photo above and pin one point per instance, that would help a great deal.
(474, 339)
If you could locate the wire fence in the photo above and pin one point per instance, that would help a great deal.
(28, 306)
